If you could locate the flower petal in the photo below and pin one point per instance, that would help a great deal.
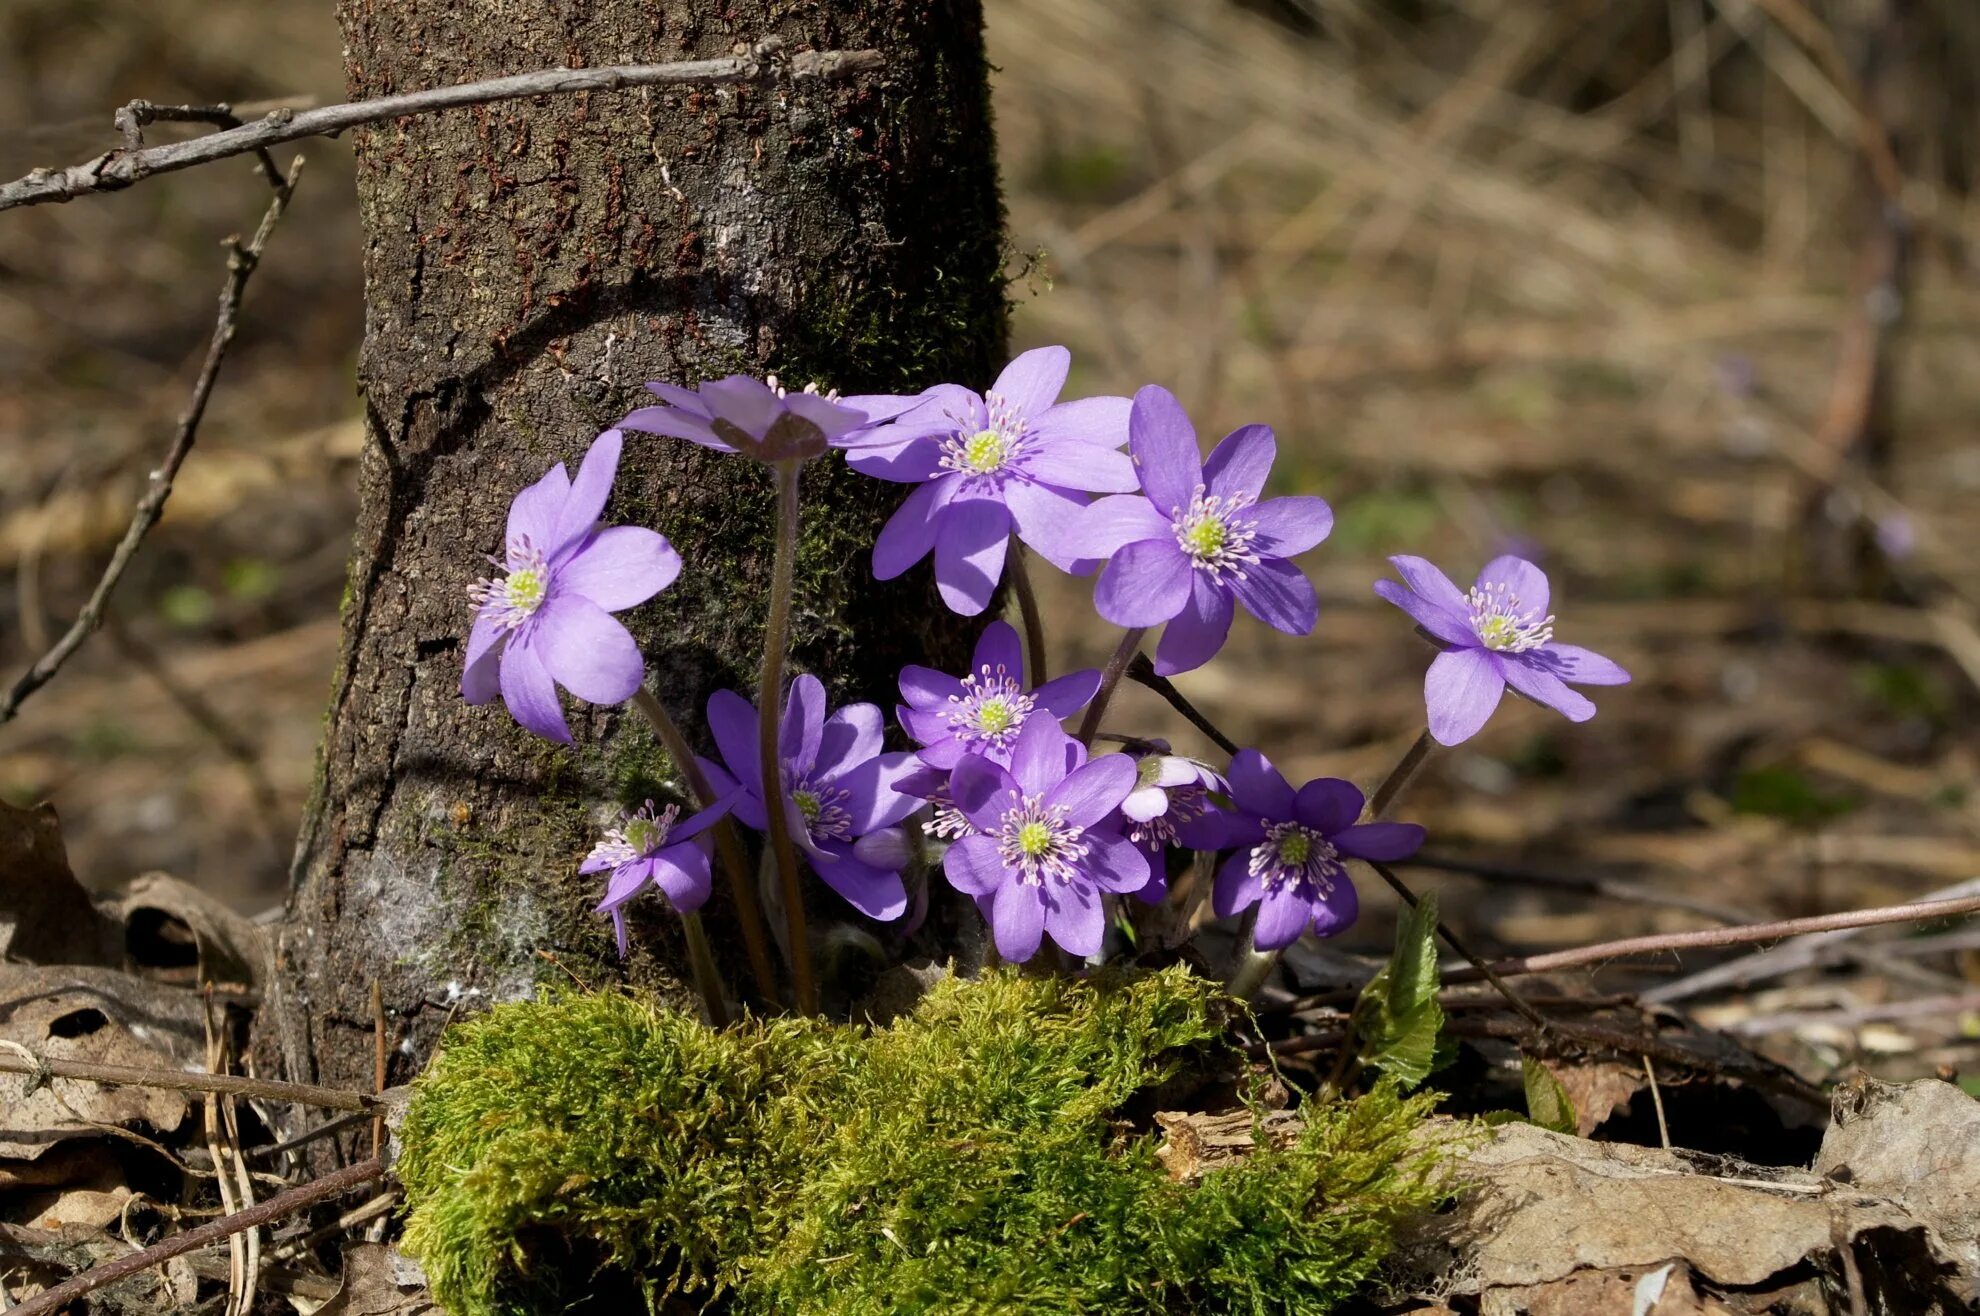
(1145, 802)
(1336, 910)
(1093, 791)
(674, 423)
(886, 849)
(1288, 526)
(803, 723)
(1115, 863)
(969, 553)
(1017, 919)
(534, 513)
(586, 650)
(1031, 382)
(1328, 804)
(874, 892)
(1422, 576)
(910, 533)
(1042, 755)
(682, 871)
(593, 485)
(1046, 517)
(1080, 466)
(1460, 691)
(1278, 594)
(1062, 696)
(1237, 888)
(1543, 687)
(748, 404)
(1522, 580)
(982, 790)
(1442, 623)
(620, 567)
(908, 461)
(1075, 917)
(481, 678)
(927, 689)
(1101, 422)
(1382, 841)
(998, 648)
(732, 721)
(1282, 916)
(1258, 787)
(851, 736)
(1145, 584)
(1105, 525)
(1194, 635)
(973, 866)
(1241, 461)
(531, 695)
(870, 795)
(1579, 666)
(1164, 445)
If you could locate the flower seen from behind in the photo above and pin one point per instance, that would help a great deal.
(1196, 538)
(1498, 634)
(1170, 805)
(1043, 849)
(760, 418)
(545, 619)
(1015, 457)
(982, 712)
(650, 846)
(839, 795)
(1291, 851)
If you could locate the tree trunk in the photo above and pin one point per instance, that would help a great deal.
(527, 267)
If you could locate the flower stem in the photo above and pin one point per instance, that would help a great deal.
(707, 981)
(1392, 785)
(1034, 628)
(769, 703)
(1254, 966)
(1110, 676)
(749, 913)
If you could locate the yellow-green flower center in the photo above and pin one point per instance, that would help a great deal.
(525, 588)
(1034, 839)
(995, 716)
(1295, 847)
(984, 452)
(1205, 539)
(808, 804)
(644, 834)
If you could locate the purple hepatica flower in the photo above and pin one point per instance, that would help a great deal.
(1290, 851)
(1170, 805)
(648, 847)
(1196, 537)
(839, 794)
(1043, 849)
(1498, 635)
(982, 712)
(546, 622)
(986, 463)
(760, 418)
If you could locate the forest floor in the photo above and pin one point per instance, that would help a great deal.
(1519, 277)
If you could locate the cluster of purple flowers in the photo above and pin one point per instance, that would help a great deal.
(1039, 830)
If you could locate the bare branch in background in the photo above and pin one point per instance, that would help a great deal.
(120, 168)
(241, 263)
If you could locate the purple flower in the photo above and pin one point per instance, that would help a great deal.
(648, 847)
(1197, 537)
(546, 621)
(987, 463)
(760, 418)
(839, 795)
(1498, 635)
(1290, 851)
(1170, 805)
(1042, 851)
(982, 712)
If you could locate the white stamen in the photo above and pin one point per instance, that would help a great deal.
(973, 452)
(1214, 535)
(990, 710)
(514, 598)
(1036, 839)
(1502, 624)
(1292, 853)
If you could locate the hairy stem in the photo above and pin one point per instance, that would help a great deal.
(707, 981)
(769, 702)
(1110, 676)
(1392, 785)
(1034, 627)
(728, 847)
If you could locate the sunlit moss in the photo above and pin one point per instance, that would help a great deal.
(970, 1157)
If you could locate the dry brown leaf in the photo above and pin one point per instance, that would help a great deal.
(83, 1208)
(45, 915)
(1598, 1088)
(162, 914)
(380, 1281)
(1664, 1290)
(1918, 1144)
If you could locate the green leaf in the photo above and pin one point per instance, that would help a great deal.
(1547, 1102)
(1398, 1018)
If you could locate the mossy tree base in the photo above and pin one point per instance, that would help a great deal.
(977, 1155)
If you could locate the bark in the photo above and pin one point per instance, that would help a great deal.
(527, 267)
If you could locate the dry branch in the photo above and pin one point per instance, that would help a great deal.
(241, 263)
(120, 168)
(173, 1080)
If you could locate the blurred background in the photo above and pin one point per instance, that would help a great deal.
(1678, 297)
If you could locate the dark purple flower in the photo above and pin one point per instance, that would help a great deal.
(986, 463)
(1170, 805)
(546, 621)
(1043, 851)
(649, 847)
(1196, 537)
(1290, 851)
(982, 712)
(760, 418)
(839, 795)
(1498, 635)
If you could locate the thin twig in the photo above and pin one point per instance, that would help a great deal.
(174, 1080)
(378, 1062)
(278, 1207)
(241, 263)
(132, 120)
(120, 168)
(1657, 1100)
(1142, 672)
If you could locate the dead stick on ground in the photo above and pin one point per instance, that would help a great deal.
(120, 168)
(241, 263)
(278, 1207)
(173, 1080)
